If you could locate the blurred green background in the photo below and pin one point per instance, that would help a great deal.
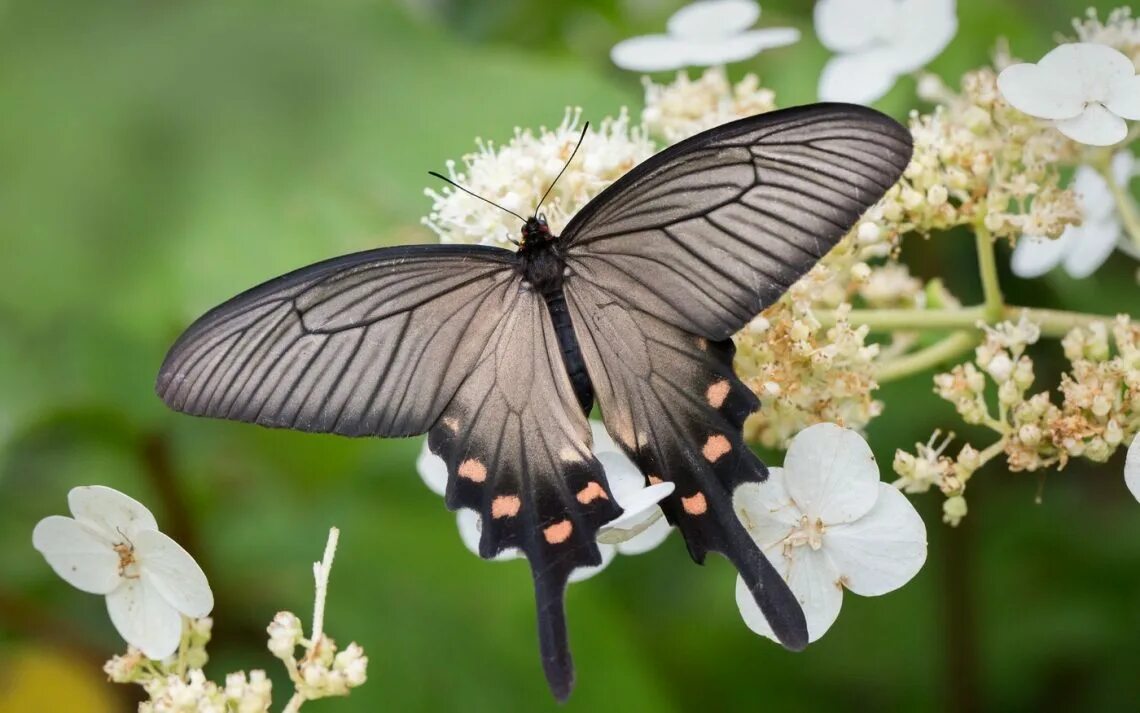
(158, 157)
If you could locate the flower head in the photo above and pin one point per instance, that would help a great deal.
(826, 522)
(876, 41)
(686, 106)
(1082, 248)
(112, 546)
(702, 34)
(1086, 89)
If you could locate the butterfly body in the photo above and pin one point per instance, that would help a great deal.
(498, 355)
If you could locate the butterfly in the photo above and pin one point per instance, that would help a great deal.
(499, 355)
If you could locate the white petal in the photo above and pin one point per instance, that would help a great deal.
(882, 550)
(471, 530)
(84, 559)
(1095, 126)
(1033, 91)
(174, 573)
(1095, 241)
(922, 30)
(649, 538)
(581, 573)
(861, 78)
(639, 511)
(831, 473)
(432, 469)
(851, 25)
(1034, 255)
(766, 509)
(1124, 97)
(813, 580)
(1123, 167)
(624, 479)
(114, 514)
(1095, 196)
(713, 18)
(740, 47)
(1132, 468)
(649, 53)
(601, 437)
(1097, 68)
(144, 618)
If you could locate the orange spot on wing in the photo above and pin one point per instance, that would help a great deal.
(473, 470)
(715, 447)
(695, 504)
(592, 492)
(717, 393)
(654, 480)
(505, 506)
(559, 532)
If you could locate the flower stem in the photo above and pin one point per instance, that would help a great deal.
(321, 575)
(919, 361)
(1125, 204)
(1053, 323)
(994, 304)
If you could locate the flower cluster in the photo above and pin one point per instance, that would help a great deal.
(322, 671)
(684, 107)
(517, 174)
(1099, 410)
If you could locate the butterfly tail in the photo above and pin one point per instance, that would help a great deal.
(554, 645)
(768, 588)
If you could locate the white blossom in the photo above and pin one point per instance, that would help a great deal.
(1132, 468)
(112, 546)
(876, 41)
(1083, 248)
(702, 34)
(1086, 89)
(826, 522)
(640, 528)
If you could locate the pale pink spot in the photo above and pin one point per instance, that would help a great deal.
(558, 533)
(715, 447)
(569, 455)
(654, 480)
(592, 492)
(695, 504)
(451, 424)
(717, 393)
(702, 344)
(505, 506)
(475, 471)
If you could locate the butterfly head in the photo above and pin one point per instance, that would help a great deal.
(536, 232)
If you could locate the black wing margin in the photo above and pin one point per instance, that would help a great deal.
(710, 231)
(517, 448)
(370, 344)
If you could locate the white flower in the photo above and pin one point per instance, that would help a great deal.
(1132, 468)
(112, 546)
(876, 41)
(702, 34)
(1083, 248)
(826, 522)
(1086, 89)
(640, 528)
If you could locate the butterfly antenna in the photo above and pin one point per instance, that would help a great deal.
(442, 177)
(564, 167)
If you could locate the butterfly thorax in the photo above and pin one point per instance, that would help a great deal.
(539, 260)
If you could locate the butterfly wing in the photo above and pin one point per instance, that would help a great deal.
(673, 258)
(708, 232)
(517, 448)
(374, 343)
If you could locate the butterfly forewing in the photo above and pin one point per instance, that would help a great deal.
(374, 343)
(707, 233)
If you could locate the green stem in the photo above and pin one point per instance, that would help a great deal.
(1054, 323)
(994, 304)
(1125, 205)
(926, 358)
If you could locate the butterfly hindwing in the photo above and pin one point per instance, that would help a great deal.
(373, 343)
(711, 230)
(674, 405)
(517, 448)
